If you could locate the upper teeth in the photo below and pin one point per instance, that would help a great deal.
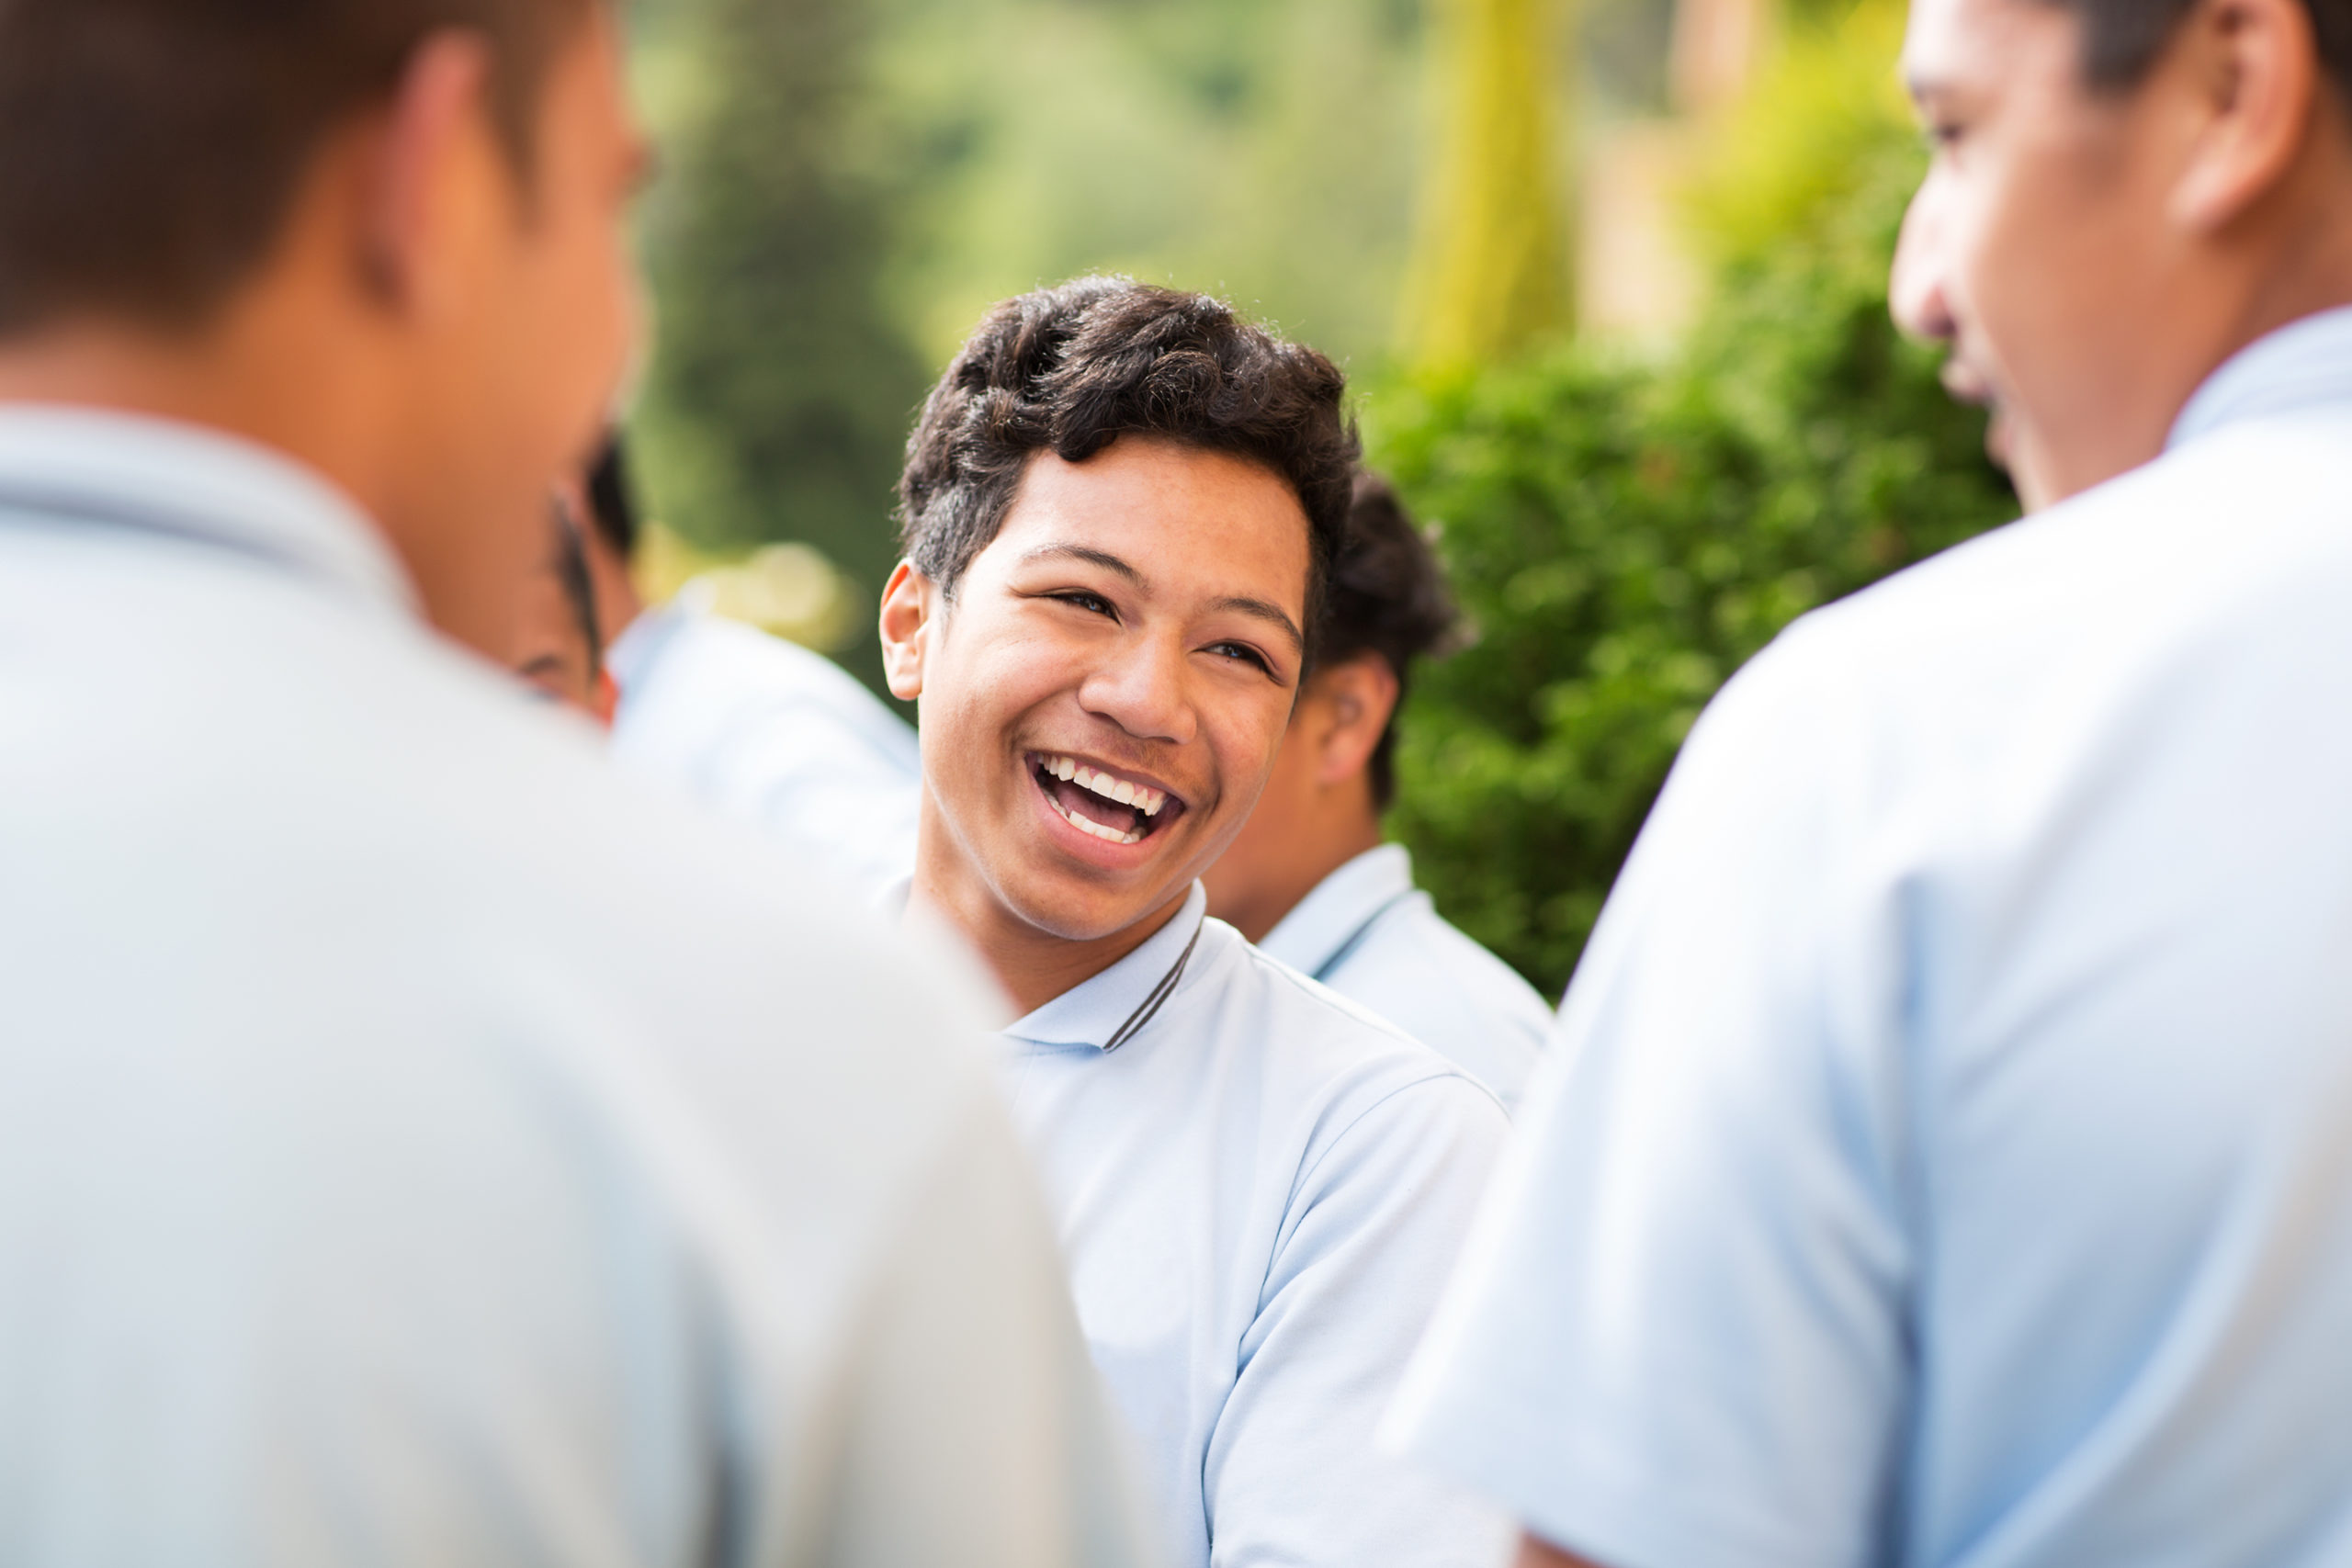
(1143, 798)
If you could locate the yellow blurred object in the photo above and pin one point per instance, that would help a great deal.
(1490, 270)
(666, 563)
(789, 591)
(1786, 156)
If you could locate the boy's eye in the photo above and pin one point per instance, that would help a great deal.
(1240, 653)
(1085, 601)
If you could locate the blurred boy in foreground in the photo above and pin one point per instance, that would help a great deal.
(1950, 1159)
(1309, 881)
(417, 1147)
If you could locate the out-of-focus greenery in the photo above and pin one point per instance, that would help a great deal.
(1625, 535)
(852, 181)
(848, 184)
(777, 402)
(1490, 274)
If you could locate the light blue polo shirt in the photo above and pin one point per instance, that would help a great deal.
(421, 1148)
(1949, 1160)
(1367, 933)
(773, 734)
(1261, 1190)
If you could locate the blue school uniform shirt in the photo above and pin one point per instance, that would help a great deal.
(1261, 1190)
(1949, 1160)
(771, 734)
(1367, 933)
(418, 1146)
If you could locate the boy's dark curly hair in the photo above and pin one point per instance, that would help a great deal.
(1070, 369)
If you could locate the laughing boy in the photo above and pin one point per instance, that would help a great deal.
(1118, 509)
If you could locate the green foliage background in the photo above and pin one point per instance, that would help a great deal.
(848, 184)
(1623, 535)
(851, 182)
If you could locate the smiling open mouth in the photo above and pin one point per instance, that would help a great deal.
(1114, 809)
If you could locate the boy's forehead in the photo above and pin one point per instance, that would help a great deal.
(1158, 503)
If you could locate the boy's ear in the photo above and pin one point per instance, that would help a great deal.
(910, 604)
(2254, 65)
(412, 169)
(1359, 695)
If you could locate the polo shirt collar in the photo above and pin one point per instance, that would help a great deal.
(1111, 1009)
(2305, 366)
(1325, 925)
(136, 472)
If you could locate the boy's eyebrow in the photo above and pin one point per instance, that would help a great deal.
(1102, 559)
(1259, 608)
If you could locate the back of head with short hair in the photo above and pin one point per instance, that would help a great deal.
(1387, 596)
(2123, 39)
(1071, 369)
(154, 147)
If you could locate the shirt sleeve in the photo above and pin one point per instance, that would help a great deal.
(1293, 1474)
(973, 1427)
(1679, 1338)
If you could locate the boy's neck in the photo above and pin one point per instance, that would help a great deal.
(1034, 965)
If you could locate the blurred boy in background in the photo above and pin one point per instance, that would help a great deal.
(1309, 881)
(760, 728)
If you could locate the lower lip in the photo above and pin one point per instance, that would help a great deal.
(1077, 841)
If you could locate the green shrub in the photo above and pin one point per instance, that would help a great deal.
(1622, 536)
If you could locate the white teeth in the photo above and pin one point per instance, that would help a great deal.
(1149, 801)
(1084, 825)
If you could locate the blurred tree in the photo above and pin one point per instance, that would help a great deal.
(781, 390)
(1625, 535)
(1263, 150)
(1490, 268)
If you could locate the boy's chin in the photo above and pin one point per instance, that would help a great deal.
(1076, 909)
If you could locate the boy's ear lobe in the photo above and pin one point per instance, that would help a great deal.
(908, 607)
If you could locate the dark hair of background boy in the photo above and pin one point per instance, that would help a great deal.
(611, 488)
(154, 147)
(1387, 596)
(578, 591)
(2122, 38)
(1070, 369)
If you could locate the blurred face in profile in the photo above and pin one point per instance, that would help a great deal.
(2039, 245)
(522, 322)
(1102, 700)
